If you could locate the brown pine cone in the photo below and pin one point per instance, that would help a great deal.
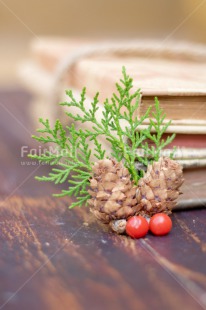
(159, 188)
(112, 191)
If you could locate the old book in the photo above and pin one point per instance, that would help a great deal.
(175, 73)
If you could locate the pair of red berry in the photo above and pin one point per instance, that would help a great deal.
(160, 224)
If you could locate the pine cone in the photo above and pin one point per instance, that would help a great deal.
(159, 188)
(113, 193)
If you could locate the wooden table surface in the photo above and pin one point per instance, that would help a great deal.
(55, 258)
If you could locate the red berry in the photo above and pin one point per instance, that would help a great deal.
(160, 224)
(137, 227)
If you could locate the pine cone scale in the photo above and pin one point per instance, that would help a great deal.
(117, 195)
(103, 195)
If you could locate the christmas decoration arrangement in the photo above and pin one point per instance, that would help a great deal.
(131, 192)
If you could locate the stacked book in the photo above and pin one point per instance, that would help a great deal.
(175, 73)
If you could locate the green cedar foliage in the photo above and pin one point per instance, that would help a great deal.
(119, 123)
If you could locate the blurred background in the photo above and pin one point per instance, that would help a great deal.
(21, 21)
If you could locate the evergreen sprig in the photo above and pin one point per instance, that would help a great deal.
(158, 127)
(119, 123)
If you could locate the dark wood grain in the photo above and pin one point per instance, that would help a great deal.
(56, 258)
